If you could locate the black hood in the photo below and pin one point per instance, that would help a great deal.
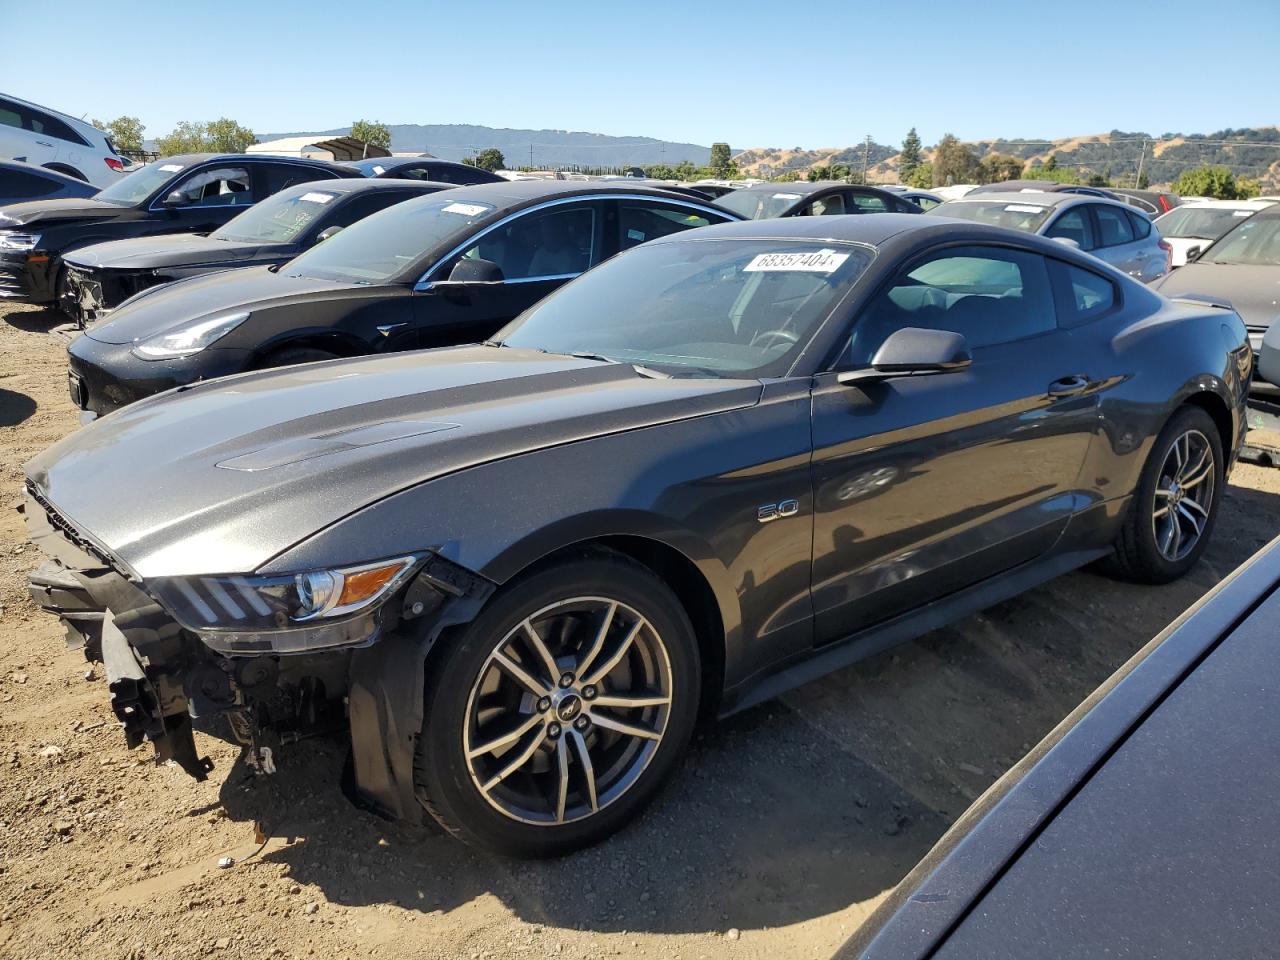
(255, 288)
(36, 212)
(166, 250)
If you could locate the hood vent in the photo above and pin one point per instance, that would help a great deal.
(298, 449)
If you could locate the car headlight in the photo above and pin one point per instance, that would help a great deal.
(17, 240)
(285, 613)
(189, 338)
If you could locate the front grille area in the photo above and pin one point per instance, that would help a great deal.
(62, 526)
(12, 280)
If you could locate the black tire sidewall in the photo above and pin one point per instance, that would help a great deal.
(444, 781)
(1157, 567)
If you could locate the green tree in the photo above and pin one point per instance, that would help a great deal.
(996, 167)
(909, 158)
(1217, 182)
(1052, 162)
(791, 176)
(921, 177)
(954, 162)
(186, 137)
(226, 136)
(372, 132)
(125, 132)
(491, 159)
(722, 165)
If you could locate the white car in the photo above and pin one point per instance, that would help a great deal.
(46, 138)
(1193, 225)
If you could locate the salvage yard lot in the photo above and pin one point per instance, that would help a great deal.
(785, 826)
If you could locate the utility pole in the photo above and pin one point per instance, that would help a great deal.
(1141, 159)
(866, 156)
(531, 156)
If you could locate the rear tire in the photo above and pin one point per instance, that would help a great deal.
(289, 356)
(568, 764)
(1175, 506)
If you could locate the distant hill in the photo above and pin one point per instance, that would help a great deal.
(1252, 152)
(551, 148)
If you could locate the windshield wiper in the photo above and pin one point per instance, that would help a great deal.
(639, 368)
(492, 343)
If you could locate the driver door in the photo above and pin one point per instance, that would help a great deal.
(926, 484)
(214, 195)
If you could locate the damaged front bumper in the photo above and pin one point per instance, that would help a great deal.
(161, 675)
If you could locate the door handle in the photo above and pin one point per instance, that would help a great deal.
(44, 143)
(1069, 386)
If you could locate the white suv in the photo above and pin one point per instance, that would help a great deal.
(46, 138)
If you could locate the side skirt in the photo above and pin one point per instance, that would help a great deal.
(908, 626)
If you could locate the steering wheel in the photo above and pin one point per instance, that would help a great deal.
(786, 336)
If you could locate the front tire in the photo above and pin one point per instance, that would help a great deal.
(1175, 506)
(556, 715)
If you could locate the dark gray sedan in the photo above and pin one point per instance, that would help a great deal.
(716, 466)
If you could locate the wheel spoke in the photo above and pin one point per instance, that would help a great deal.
(1199, 476)
(598, 643)
(1195, 505)
(519, 673)
(630, 701)
(616, 658)
(497, 743)
(540, 648)
(518, 762)
(588, 771)
(562, 760)
(1188, 470)
(627, 729)
(1191, 518)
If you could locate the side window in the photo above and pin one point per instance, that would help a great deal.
(640, 222)
(1113, 226)
(467, 176)
(274, 177)
(20, 185)
(1082, 295)
(1141, 225)
(53, 127)
(833, 204)
(10, 116)
(924, 203)
(218, 187)
(866, 203)
(552, 243)
(365, 205)
(424, 173)
(1075, 225)
(989, 295)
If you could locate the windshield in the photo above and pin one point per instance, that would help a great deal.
(1001, 213)
(381, 247)
(278, 219)
(1200, 223)
(759, 204)
(137, 186)
(1255, 241)
(741, 307)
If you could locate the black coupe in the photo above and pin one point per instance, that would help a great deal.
(764, 201)
(196, 193)
(424, 168)
(712, 468)
(444, 269)
(101, 276)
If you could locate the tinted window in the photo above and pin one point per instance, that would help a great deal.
(1113, 226)
(217, 187)
(1141, 225)
(9, 115)
(832, 205)
(369, 203)
(1075, 225)
(24, 118)
(274, 177)
(465, 175)
(742, 306)
(1000, 213)
(639, 222)
(988, 295)
(21, 185)
(924, 203)
(760, 204)
(1082, 294)
(553, 243)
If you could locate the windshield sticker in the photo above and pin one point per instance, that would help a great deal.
(317, 197)
(379, 169)
(635, 235)
(466, 209)
(1023, 208)
(814, 261)
(170, 167)
(786, 196)
(1242, 213)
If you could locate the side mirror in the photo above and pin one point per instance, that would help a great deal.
(1068, 242)
(328, 232)
(913, 351)
(468, 270)
(177, 199)
(1194, 253)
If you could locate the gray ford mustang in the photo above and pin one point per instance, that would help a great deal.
(716, 466)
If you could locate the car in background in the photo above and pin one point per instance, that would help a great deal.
(46, 138)
(1151, 202)
(1044, 186)
(437, 270)
(423, 168)
(764, 201)
(20, 182)
(518, 571)
(714, 189)
(921, 198)
(1143, 825)
(101, 276)
(1241, 269)
(195, 193)
(1108, 229)
(1193, 226)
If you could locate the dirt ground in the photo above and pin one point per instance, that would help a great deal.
(786, 826)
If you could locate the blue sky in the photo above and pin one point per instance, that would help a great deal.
(751, 73)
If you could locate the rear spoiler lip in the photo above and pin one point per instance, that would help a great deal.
(1204, 300)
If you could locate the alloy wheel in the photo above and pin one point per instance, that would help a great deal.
(1184, 495)
(567, 711)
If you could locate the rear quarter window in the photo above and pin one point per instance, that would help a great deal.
(1081, 295)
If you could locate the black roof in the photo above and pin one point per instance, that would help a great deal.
(806, 187)
(873, 229)
(367, 185)
(516, 193)
(392, 163)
